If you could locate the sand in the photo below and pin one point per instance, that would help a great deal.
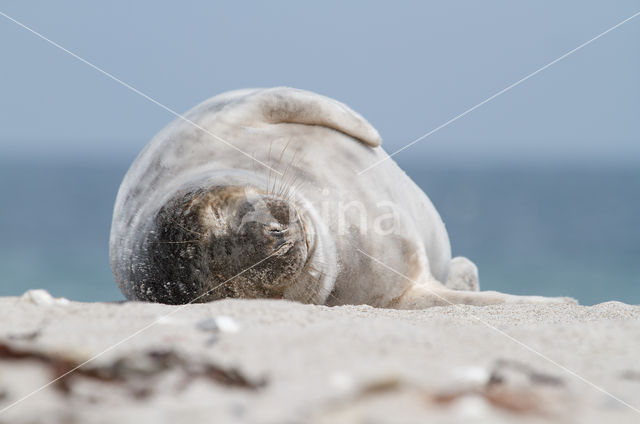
(270, 361)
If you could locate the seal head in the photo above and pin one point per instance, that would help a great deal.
(225, 241)
(206, 212)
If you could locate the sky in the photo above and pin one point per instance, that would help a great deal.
(408, 67)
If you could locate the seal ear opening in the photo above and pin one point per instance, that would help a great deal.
(289, 105)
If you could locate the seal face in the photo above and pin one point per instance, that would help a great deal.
(255, 194)
(224, 241)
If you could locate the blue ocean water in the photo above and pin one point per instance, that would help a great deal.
(531, 230)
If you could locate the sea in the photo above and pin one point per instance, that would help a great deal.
(532, 229)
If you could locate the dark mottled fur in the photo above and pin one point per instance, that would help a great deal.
(186, 259)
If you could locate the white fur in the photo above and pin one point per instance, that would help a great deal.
(323, 144)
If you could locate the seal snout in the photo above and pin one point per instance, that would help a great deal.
(225, 241)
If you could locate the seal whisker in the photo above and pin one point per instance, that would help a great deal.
(278, 181)
(294, 186)
(276, 187)
(175, 242)
(286, 146)
(285, 183)
(272, 187)
(270, 167)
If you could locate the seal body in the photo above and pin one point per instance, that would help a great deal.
(256, 193)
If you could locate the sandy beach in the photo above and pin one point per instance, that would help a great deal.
(269, 361)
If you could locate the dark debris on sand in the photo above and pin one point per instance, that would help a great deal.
(132, 370)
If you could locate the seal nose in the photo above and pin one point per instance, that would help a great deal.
(283, 246)
(282, 240)
(279, 243)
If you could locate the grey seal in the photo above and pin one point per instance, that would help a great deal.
(255, 194)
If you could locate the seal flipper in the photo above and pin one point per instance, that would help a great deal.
(282, 105)
(421, 296)
(463, 275)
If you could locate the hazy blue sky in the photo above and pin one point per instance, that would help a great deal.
(406, 66)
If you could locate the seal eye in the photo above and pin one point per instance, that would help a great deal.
(277, 231)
